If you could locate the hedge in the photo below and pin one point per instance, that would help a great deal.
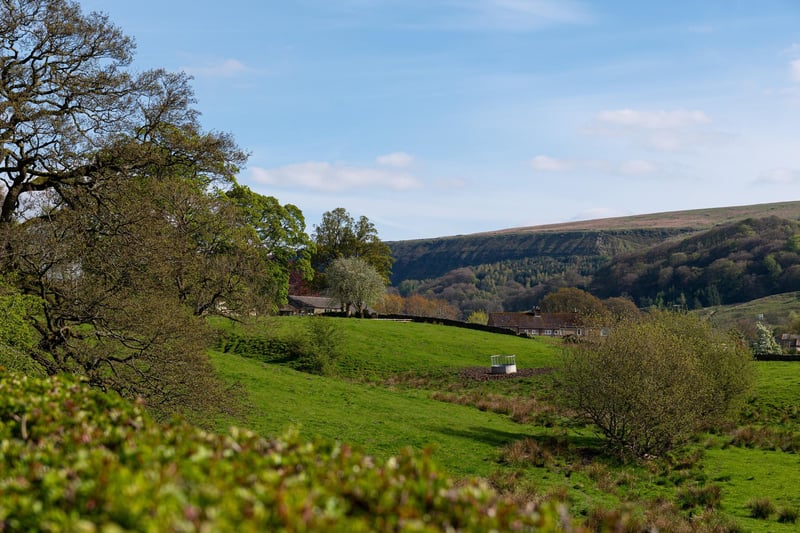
(75, 458)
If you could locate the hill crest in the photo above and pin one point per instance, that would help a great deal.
(692, 219)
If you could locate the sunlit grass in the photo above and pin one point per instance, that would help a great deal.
(383, 398)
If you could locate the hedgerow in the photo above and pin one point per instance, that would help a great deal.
(75, 458)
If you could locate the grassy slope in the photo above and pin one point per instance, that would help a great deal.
(379, 420)
(775, 309)
(468, 441)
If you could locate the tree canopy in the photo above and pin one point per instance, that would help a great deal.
(572, 300)
(355, 283)
(121, 223)
(340, 235)
(73, 114)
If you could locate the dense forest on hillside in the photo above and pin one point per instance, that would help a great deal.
(730, 263)
(734, 263)
(431, 258)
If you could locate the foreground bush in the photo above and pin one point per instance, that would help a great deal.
(74, 458)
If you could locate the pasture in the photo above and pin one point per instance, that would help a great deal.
(400, 384)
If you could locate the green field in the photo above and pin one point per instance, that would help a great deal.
(382, 400)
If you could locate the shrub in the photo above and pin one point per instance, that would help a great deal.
(313, 349)
(761, 508)
(655, 382)
(705, 496)
(527, 452)
(788, 515)
(75, 458)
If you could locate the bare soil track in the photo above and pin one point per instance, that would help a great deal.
(482, 373)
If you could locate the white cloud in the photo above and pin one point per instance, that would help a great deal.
(652, 119)
(637, 167)
(449, 184)
(324, 176)
(794, 70)
(633, 167)
(660, 130)
(546, 163)
(792, 50)
(511, 15)
(779, 176)
(222, 69)
(395, 160)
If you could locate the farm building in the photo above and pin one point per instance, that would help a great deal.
(310, 305)
(534, 323)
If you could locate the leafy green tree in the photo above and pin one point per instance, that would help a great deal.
(793, 323)
(112, 215)
(73, 114)
(281, 230)
(655, 382)
(124, 283)
(340, 235)
(569, 299)
(355, 283)
(621, 309)
(18, 338)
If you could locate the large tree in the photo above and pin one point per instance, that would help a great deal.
(340, 235)
(281, 230)
(120, 215)
(123, 282)
(589, 308)
(73, 114)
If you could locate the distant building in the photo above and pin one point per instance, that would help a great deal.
(316, 305)
(310, 305)
(789, 343)
(534, 323)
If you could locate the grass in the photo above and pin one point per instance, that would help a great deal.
(378, 349)
(383, 400)
(748, 475)
(775, 309)
(378, 420)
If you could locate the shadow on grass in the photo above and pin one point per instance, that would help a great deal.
(498, 438)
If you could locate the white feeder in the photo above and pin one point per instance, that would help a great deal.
(504, 364)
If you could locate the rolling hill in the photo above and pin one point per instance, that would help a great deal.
(512, 268)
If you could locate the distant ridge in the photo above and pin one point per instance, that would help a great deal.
(553, 249)
(695, 219)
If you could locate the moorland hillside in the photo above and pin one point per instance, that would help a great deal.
(513, 269)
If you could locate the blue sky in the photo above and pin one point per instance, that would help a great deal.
(444, 117)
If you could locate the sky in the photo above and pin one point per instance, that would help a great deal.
(445, 117)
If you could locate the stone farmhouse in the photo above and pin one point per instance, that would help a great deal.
(310, 305)
(534, 323)
(789, 343)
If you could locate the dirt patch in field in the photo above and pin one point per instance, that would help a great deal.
(482, 373)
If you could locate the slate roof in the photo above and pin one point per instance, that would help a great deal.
(533, 321)
(315, 302)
